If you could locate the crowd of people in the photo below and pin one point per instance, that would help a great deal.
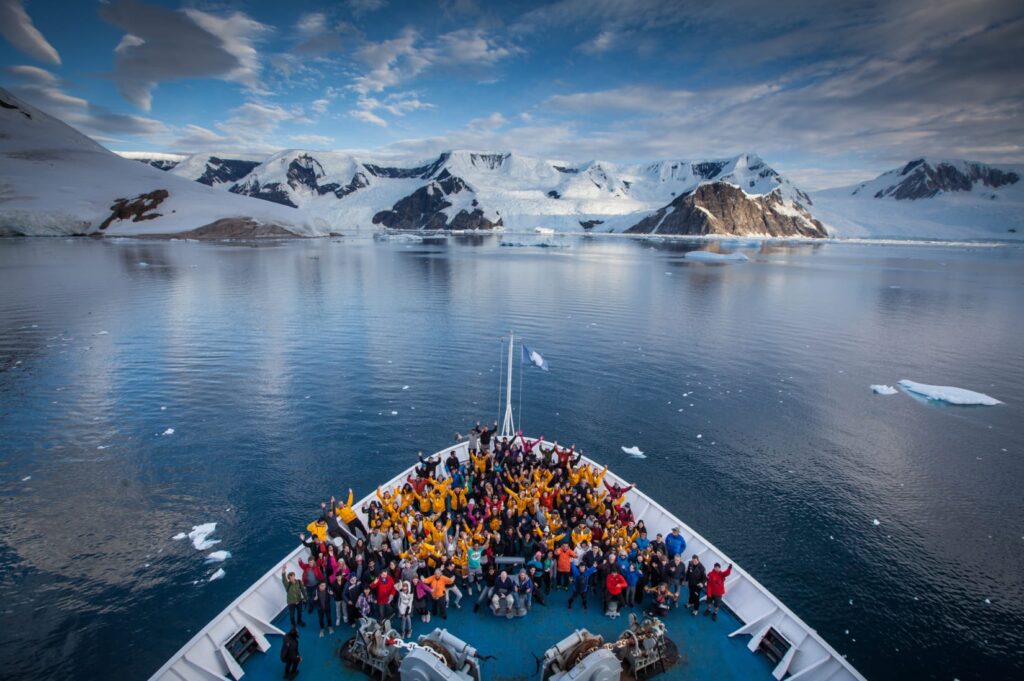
(508, 526)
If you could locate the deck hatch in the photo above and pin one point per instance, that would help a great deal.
(774, 645)
(242, 645)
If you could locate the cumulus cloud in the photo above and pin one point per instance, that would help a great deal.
(162, 44)
(392, 62)
(17, 27)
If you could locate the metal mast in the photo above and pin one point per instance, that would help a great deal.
(508, 428)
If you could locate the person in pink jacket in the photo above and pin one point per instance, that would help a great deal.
(716, 589)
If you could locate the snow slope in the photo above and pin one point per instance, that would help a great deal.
(54, 180)
(522, 192)
(949, 199)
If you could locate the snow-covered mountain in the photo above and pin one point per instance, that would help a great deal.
(947, 199)
(480, 190)
(54, 180)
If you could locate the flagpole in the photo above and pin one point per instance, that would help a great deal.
(508, 427)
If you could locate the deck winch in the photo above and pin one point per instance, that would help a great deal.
(642, 650)
(437, 656)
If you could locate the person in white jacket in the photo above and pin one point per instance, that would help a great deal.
(405, 599)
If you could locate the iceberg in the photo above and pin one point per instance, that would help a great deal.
(634, 451)
(711, 256)
(179, 536)
(199, 535)
(169, 431)
(884, 390)
(948, 394)
(218, 556)
(219, 574)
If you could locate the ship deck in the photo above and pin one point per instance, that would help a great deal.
(705, 652)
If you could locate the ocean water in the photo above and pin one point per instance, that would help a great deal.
(282, 370)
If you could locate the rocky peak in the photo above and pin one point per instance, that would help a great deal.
(920, 179)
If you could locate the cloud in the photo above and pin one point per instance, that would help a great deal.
(360, 8)
(392, 62)
(368, 117)
(321, 141)
(17, 27)
(162, 44)
(600, 43)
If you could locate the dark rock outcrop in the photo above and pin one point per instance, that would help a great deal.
(922, 180)
(421, 172)
(423, 209)
(707, 169)
(554, 195)
(721, 208)
(567, 171)
(224, 170)
(159, 163)
(590, 224)
(271, 191)
(138, 209)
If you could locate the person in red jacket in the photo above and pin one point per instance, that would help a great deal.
(614, 585)
(716, 588)
(384, 588)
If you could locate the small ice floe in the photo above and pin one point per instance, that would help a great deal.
(102, 333)
(143, 264)
(876, 522)
(394, 413)
(101, 446)
(634, 451)
(179, 536)
(218, 556)
(711, 256)
(163, 408)
(699, 436)
(948, 394)
(26, 478)
(307, 397)
(405, 387)
(884, 390)
(988, 601)
(219, 574)
(169, 431)
(199, 536)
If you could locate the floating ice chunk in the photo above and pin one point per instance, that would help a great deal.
(948, 394)
(26, 478)
(711, 256)
(988, 601)
(884, 390)
(179, 536)
(394, 413)
(163, 408)
(218, 556)
(699, 436)
(876, 522)
(169, 431)
(634, 451)
(102, 333)
(219, 574)
(199, 535)
(143, 264)
(405, 387)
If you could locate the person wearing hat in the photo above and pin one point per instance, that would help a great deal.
(674, 543)
(696, 577)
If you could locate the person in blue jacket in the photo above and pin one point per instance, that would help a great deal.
(632, 576)
(674, 543)
(580, 583)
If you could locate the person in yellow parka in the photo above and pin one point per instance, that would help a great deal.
(349, 517)
(318, 528)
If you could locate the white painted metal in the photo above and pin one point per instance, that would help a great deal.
(204, 658)
(508, 428)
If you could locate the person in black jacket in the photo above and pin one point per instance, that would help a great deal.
(290, 654)
(696, 577)
(322, 599)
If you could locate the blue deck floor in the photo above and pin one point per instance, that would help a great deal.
(706, 651)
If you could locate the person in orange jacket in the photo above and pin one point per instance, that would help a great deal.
(716, 589)
(439, 584)
(563, 566)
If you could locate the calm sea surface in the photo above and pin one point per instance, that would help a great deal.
(282, 369)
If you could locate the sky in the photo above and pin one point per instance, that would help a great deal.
(829, 93)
